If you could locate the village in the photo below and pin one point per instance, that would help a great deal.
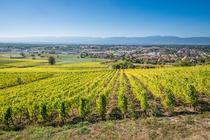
(150, 54)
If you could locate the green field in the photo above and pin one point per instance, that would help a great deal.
(28, 61)
(72, 92)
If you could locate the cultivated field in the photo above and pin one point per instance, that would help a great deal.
(92, 92)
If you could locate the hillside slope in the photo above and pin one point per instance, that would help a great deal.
(193, 127)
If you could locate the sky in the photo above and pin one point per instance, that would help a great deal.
(104, 18)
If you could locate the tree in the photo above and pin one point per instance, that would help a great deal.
(22, 54)
(83, 54)
(51, 60)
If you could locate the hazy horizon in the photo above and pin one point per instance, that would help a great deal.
(73, 36)
(156, 40)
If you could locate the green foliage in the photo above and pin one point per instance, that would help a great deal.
(34, 111)
(63, 111)
(156, 111)
(102, 106)
(123, 99)
(43, 112)
(123, 65)
(11, 79)
(83, 107)
(70, 86)
(191, 95)
(51, 60)
(83, 54)
(184, 62)
(19, 80)
(22, 54)
(169, 99)
(139, 92)
(116, 114)
(7, 117)
(144, 100)
(123, 103)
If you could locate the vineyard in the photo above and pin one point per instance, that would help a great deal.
(93, 92)
(20, 63)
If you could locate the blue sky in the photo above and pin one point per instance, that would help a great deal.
(104, 18)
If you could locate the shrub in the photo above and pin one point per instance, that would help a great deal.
(102, 106)
(123, 65)
(116, 114)
(156, 112)
(184, 62)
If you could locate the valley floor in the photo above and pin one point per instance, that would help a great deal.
(189, 127)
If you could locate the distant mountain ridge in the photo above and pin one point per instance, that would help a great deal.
(112, 40)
